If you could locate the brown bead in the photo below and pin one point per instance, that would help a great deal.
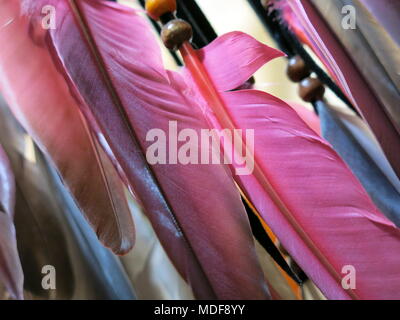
(311, 90)
(297, 69)
(157, 8)
(175, 33)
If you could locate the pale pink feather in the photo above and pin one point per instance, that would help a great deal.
(109, 58)
(305, 192)
(40, 99)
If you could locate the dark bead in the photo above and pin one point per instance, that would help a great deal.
(175, 33)
(297, 69)
(311, 90)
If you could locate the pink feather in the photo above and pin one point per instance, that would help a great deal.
(290, 19)
(308, 116)
(302, 189)
(42, 102)
(113, 67)
(327, 220)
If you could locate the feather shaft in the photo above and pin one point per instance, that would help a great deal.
(211, 95)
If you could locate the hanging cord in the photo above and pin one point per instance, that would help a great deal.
(203, 31)
(156, 26)
(289, 44)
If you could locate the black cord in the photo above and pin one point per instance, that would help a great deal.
(312, 65)
(269, 22)
(265, 241)
(203, 32)
(288, 43)
(178, 61)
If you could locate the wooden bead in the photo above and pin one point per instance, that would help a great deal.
(311, 90)
(175, 33)
(297, 69)
(157, 8)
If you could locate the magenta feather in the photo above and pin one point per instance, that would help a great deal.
(304, 191)
(309, 197)
(328, 220)
(113, 67)
(42, 102)
(301, 187)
